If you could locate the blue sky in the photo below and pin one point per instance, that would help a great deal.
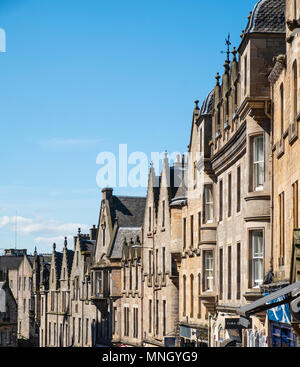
(82, 77)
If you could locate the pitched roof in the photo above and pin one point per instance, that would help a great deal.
(268, 16)
(124, 234)
(70, 256)
(10, 262)
(58, 263)
(129, 210)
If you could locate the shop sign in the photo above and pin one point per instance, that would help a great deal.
(235, 323)
(170, 342)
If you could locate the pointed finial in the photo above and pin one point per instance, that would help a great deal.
(166, 154)
(234, 53)
(218, 78)
(226, 66)
(54, 246)
(196, 103)
(66, 242)
(79, 231)
(35, 251)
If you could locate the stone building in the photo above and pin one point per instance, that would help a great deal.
(240, 151)
(8, 314)
(68, 316)
(22, 279)
(121, 218)
(131, 302)
(197, 258)
(160, 278)
(284, 79)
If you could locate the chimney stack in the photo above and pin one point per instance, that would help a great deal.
(107, 193)
(93, 233)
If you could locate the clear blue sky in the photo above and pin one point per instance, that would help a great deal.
(82, 77)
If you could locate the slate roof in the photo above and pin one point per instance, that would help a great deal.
(268, 16)
(208, 104)
(58, 263)
(177, 187)
(129, 210)
(10, 262)
(122, 235)
(70, 256)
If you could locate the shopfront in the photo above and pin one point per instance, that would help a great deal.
(280, 329)
(193, 336)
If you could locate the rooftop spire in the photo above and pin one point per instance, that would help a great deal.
(228, 44)
(66, 242)
(196, 103)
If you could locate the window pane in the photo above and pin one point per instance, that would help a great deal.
(258, 149)
(257, 257)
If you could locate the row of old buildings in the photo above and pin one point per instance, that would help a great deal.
(214, 232)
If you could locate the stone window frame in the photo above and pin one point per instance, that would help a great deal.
(221, 272)
(229, 195)
(238, 269)
(281, 202)
(205, 270)
(295, 188)
(238, 188)
(192, 296)
(229, 272)
(250, 260)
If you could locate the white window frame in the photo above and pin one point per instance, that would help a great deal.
(257, 257)
(209, 271)
(258, 186)
(208, 203)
